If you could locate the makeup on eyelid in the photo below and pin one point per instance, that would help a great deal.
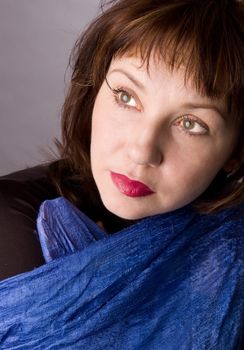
(184, 118)
(124, 103)
(211, 105)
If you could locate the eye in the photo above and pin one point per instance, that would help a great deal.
(192, 125)
(124, 97)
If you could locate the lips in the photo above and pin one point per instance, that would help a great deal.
(129, 187)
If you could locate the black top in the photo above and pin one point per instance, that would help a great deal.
(21, 194)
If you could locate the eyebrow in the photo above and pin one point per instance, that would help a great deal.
(186, 105)
(130, 77)
(206, 106)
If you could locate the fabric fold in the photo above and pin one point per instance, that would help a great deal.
(63, 231)
(170, 281)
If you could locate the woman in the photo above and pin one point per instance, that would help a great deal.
(152, 130)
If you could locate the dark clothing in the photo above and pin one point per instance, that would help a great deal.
(21, 194)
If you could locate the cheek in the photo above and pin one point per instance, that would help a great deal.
(191, 170)
(210, 155)
(105, 135)
(109, 129)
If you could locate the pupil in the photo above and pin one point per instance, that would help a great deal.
(188, 124)
(125, 98)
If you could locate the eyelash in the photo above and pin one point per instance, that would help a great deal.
(119, 103)
(194, 120)
(116, 93)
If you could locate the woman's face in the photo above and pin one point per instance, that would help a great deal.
(156, 143)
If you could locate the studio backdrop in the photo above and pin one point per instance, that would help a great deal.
(36, 37)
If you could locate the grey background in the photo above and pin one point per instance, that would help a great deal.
(36, 37)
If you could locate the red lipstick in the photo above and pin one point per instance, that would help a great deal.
(130, 188)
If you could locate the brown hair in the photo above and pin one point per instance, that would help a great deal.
(206, 36)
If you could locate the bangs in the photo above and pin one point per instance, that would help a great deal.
(185, 34)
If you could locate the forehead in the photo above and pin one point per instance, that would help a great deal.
(155, 74)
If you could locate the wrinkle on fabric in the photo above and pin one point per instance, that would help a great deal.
(168, 282)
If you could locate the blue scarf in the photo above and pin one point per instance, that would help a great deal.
(169, 282)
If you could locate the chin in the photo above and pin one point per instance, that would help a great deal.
(124, 214)
(127, 212)
(130, 212)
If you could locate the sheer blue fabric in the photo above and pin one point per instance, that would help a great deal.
(171, 281)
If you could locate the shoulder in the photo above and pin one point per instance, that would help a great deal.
(21, 194)
(217, 246)
(217, 243)
(216, 268)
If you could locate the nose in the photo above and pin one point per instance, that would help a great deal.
(145, 147)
